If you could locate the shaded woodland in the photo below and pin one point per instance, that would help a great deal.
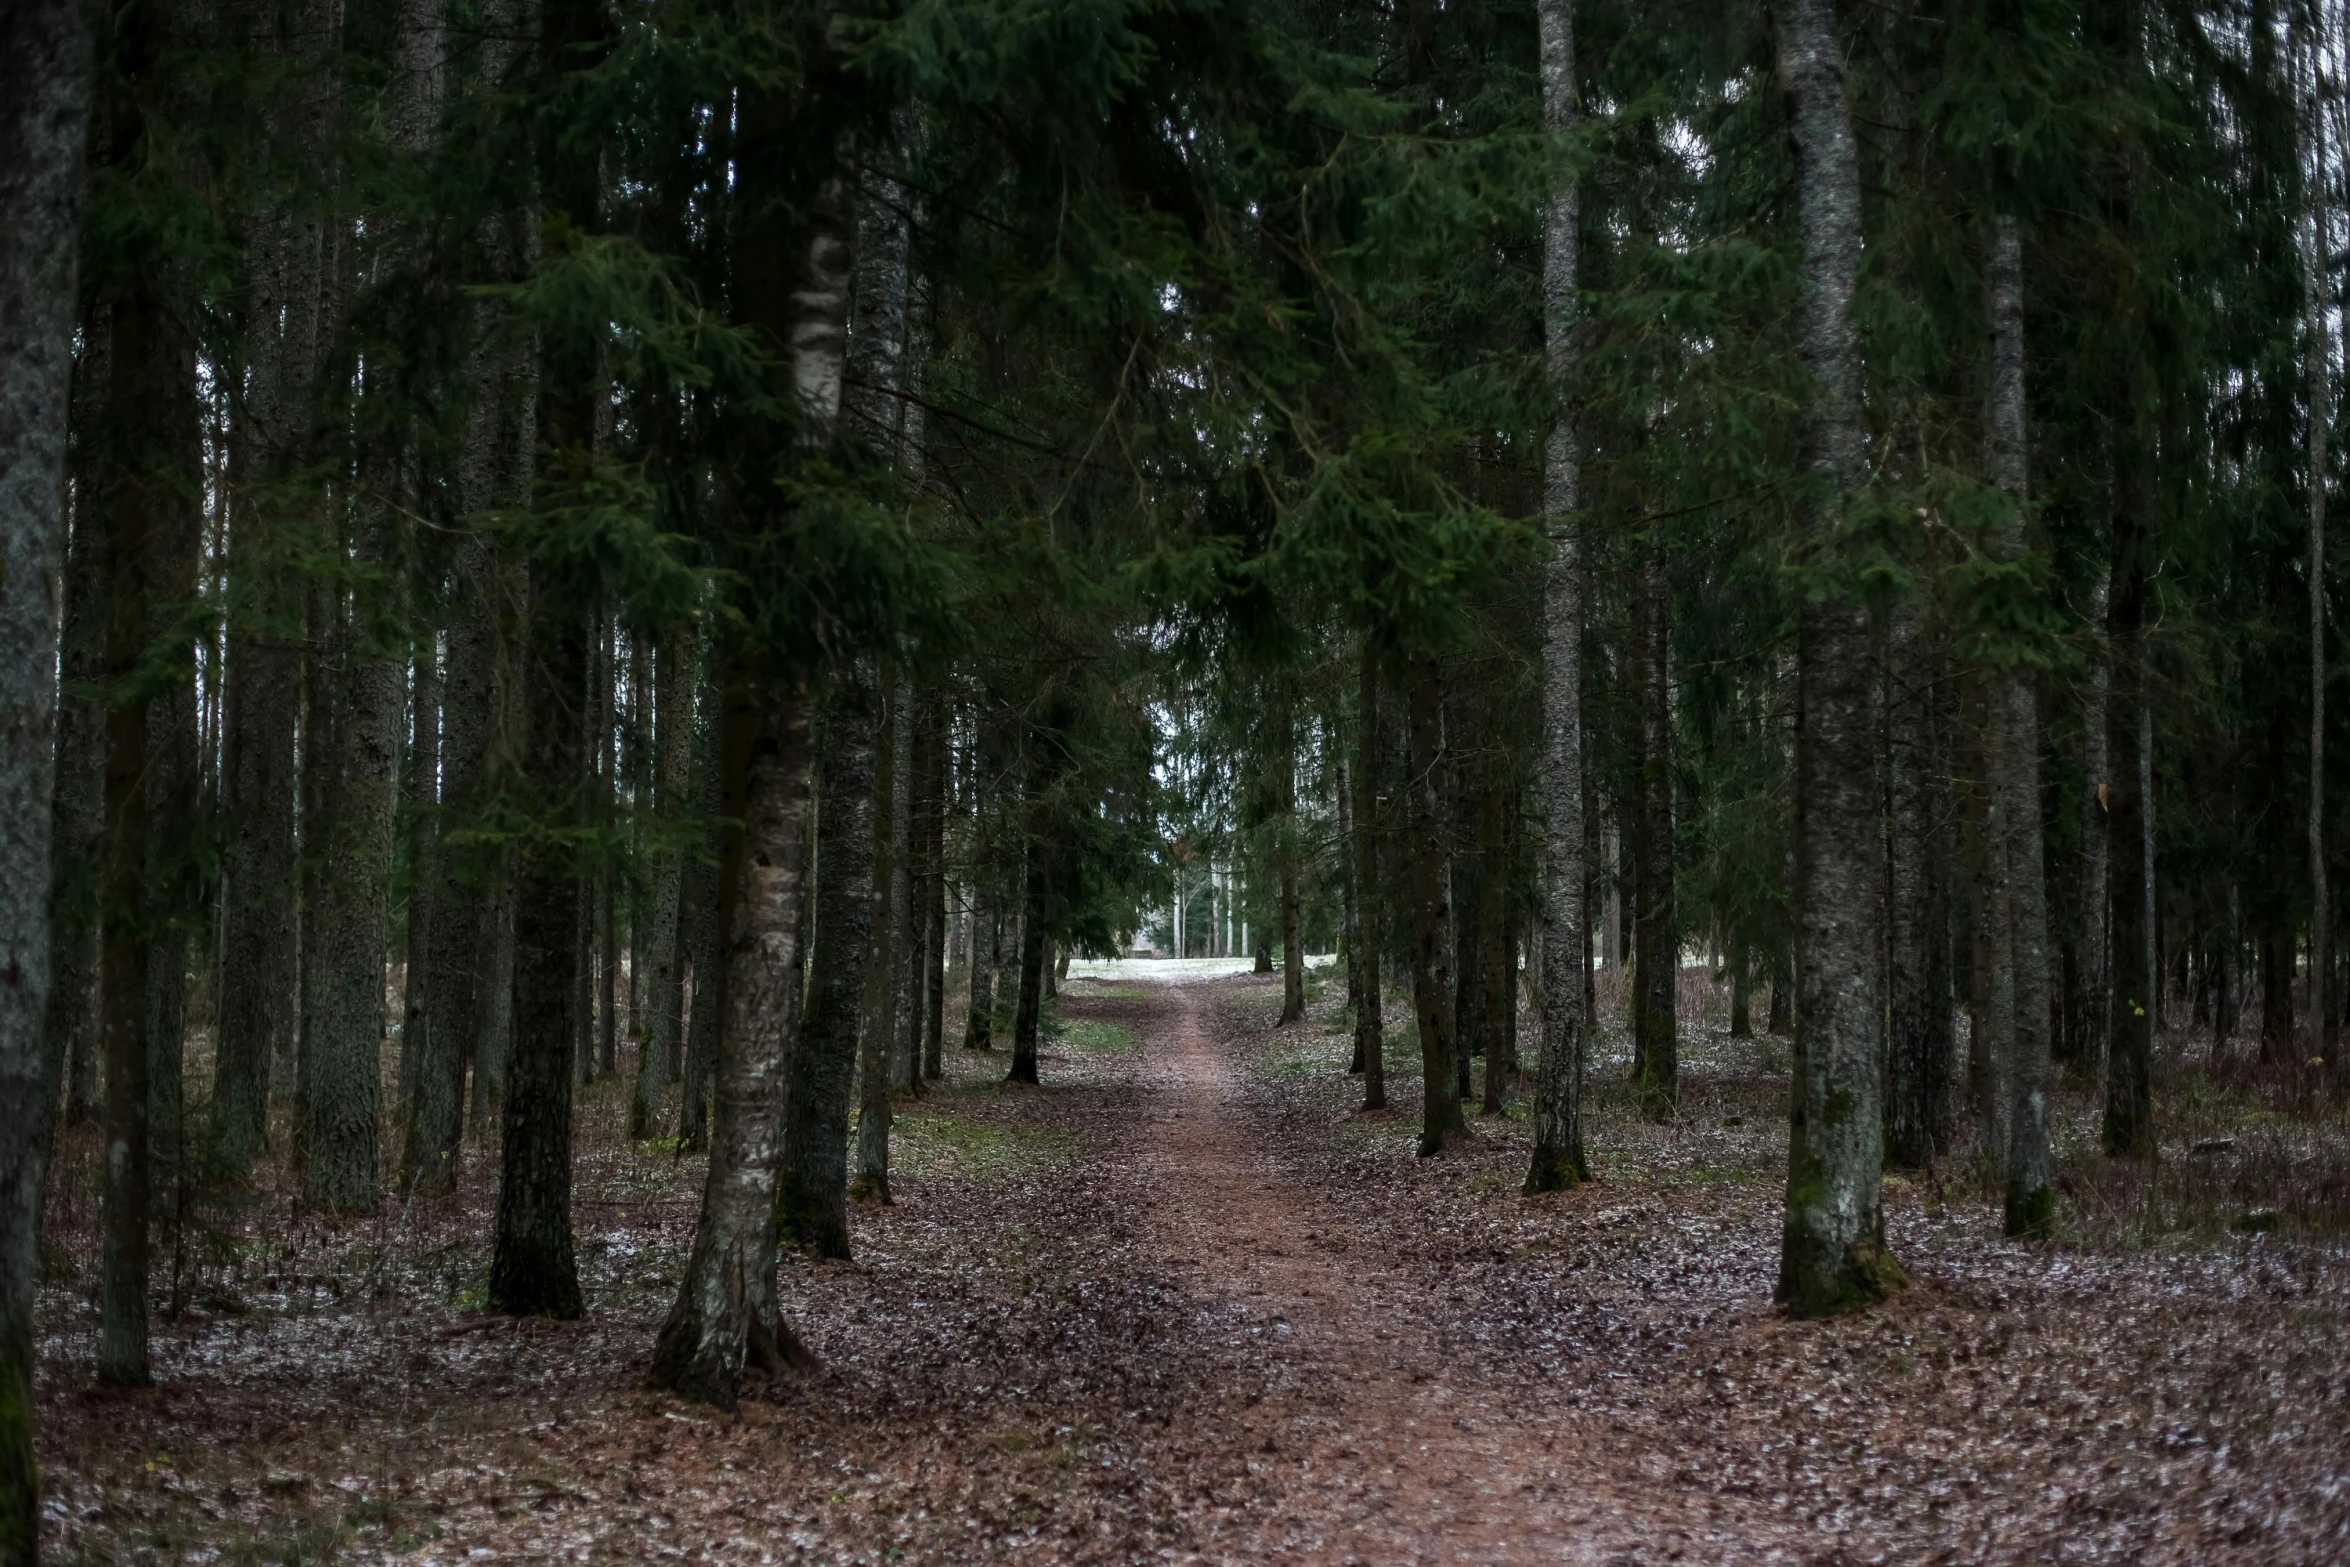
(751, 613)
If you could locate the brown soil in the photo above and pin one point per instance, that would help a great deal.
(1182, 1304)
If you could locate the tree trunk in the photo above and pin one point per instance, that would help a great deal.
(606, 939)
(2088, 1048)
(445, 985)
(2129, 1057)
(1370, 1041)
(45, 80)
(147, 475)
(1917, 1059)
(344, 1017)
(1441, 1120)
(1833, 1256)
(418, 1045)
(257, 1001)
(724, 1316)
(906, 921)
(1350, 914)
(1465, 890)
(1563, 913)
(1032, 968)
(879, 1037)
(979, 1016)
(812, 1193)
(1657, 963)
(1293, 954)
(77, 861)
(2317, 392)
(934, 891)
(1497, 951)
(2030, 1202)
(532, 1270)
(699, 925)
(658, 950)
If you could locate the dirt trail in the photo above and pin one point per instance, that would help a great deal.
(1388, 1449)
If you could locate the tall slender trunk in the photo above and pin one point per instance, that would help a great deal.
(724, 1315)
(533, 1268)
(2030, 1202)
(812, 1192)
(2129, 1085)
(1026, 1020)
(2088, 1048)
(1497, 954)
(1833, 1256)
(344, 974)
(1441, 1120)
(446, 974)
(1991, 925)
(658, 945)
(2317, 393)
(905, 919)
(1465, 890)
(533, 1271)
(879, 1047)
(147, 471)
(609, 867)
(1293, 952)
(699, 927)
(1558, 1159)
(1917, 1057)
(77, 860)
(421, 802)
(1657, 963)
(934, 890)
(1350, 908)
(633, 895)
(1370, 1040)
(979, 1015)
(45, 79)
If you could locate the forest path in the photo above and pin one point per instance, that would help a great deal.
(1384, 1447)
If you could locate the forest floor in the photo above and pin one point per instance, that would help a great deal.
(1186, 1303)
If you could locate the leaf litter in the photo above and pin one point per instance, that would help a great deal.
(1185, 1303)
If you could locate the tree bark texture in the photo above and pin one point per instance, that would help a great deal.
(420, 803)
(879, 1041)
(658, 948)
(77, 856)
(1498, 952)
(723, 1317)
(1441, 1120)
(1370, 1024)
(1656, 965)
(812, 1191)
(2318, 392)
(45, 81)
(1558, 1159)
(699, 923)
(2030, 1201)
(1833, 1255)
(1918, 1053)
(2129, 1055)
(905, 917)
(1026, 1021)
(979, 1014)
(934, 892)
(533, 1270)
(2087, 1048)
(285, 303)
